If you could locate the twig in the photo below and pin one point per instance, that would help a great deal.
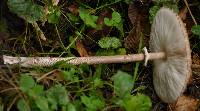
(43, 76)
(190, 12)
(39, 31)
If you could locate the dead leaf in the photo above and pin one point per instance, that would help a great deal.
(183, 13)
(73, 9)
(196, 59)
(138, 15)
(81, 49)
(102, 15)
(55, 2)
(4, 39)
(50, 76)
(184, 103)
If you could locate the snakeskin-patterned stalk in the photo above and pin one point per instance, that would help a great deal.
(49, 61)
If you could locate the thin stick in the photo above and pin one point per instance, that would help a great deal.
(190, 12)
(49, 61)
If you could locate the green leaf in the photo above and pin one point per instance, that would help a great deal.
(128, 1)
(119, 26)
(109, 42)
(59, 94)
(72, 17)
(121, 51)
(26, 9)
(100, 69)
(22, 105)
(36, 91)
(153, 12)
(139, 102)
(116, 19)
(123, 83)
(52, 103)
(92, 103)
(42, 103)
(84, 68)
(69, 75)
(162, 3)
(26, 82)
(71, 107)
(108, 22)
(54, 16)
(196, 30)
(98, 83)
(89, 20)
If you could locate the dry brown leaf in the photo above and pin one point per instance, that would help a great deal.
(52, 75)
(196, 59)
(138, 16)
(184, 103)
(102, 15)
(73, 9)
(183, 13)
(81, 49)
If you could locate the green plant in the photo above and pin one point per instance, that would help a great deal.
(26, 9)
(54, 15)
(160, 3)
(43, 100)
(109, 42)
(110, 46)
(137, 102)
(38, 98)
(196, 30)
(88, 19)
(116, 21)
(92, 102)
(122, 79)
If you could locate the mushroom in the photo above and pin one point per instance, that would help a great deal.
(170, 51)
(170, 76)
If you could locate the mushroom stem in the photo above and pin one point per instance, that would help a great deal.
(48, 61)
(116, 58)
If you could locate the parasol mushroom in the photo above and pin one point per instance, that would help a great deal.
(170, 51)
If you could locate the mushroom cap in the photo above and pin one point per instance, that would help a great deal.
(170, 75)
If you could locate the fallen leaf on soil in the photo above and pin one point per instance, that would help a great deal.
(183, 13)
(81, 49)
(73, 9)
(52, 75)
(140, 26)
(184, 103)
(196, 59)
